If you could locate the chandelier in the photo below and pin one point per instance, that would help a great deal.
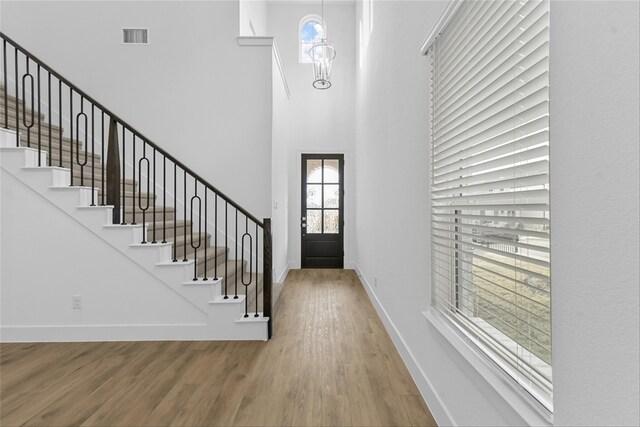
(322, 54)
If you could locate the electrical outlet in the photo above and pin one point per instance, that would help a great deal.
(77, 302)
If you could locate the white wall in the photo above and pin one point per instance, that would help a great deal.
(193, 90)
(595, 149)
(281, 141)
(317, 121)
(253, 13)
(594, 128)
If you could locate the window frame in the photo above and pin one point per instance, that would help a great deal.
(436, 315)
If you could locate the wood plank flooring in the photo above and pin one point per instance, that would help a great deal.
(330, 363)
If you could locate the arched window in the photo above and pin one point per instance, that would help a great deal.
(310, 31)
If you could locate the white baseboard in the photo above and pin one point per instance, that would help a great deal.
(431, 397)
(99, 333)
(294, 265)
(283, 276)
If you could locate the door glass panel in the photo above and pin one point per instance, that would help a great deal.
(314, 196)
(331, 196)
(314, 218)
(314, 170)
(331, 171)
(331, 222)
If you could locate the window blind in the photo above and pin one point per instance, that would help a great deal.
(489, 73)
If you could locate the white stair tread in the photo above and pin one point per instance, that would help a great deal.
(149, 245)
(121, 226)
(202, 282)
(253, 319)
(171, 263)
(69, 187)
(41, 168)
(230, 300)
(97, 207)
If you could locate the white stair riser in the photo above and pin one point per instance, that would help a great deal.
(150, 253)
(43, 178)
(7, 138)
(17, 156)
(73, 196)
(121, 236)
(94, 217)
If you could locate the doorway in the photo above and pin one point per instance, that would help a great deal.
(322, 213)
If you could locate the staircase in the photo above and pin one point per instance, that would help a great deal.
(127, 191)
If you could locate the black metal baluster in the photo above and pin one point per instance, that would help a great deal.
(24, 102)
(60, 120)
(242, 250)
(82, 114)
(164, 199)
(71, 132)
(257, 246)
(15, 67)
(235, 295)
(184, 205)
(133, 175)
(102, 162)
(154, 197)
(50, 153)
(142, 161)
(6, 88)
(226, 254)
(175, 211)
(195, 247)
(124, 175)
(39, 120)
(206, 236)
(93, 156)
(215, 235)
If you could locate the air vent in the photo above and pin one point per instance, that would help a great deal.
(135, 35)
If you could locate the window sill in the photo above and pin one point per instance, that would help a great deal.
(531, 411)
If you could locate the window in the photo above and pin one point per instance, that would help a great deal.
(489, 71)
(310, 31)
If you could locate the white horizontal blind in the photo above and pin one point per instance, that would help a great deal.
(490, 183)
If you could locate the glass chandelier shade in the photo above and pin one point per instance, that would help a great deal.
(322, 55)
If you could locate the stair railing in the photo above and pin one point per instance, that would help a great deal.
(76, 132)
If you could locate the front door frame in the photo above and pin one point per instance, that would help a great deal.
(337, 260)
(297, 214)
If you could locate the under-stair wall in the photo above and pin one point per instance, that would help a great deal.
(48, 258)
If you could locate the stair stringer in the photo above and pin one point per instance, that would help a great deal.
(225, 317)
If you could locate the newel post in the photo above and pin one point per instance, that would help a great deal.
(113, 171)
(267, 275)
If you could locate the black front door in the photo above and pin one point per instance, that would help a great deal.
(322, 211)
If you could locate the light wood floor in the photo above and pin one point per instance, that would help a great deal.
(330, 363)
